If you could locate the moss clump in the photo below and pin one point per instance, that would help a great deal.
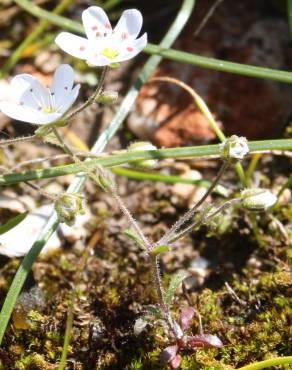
(33, 362)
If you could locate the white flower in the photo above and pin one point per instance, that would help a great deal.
(18, 241)
(234, 148)
(103, 45)
(34, 103)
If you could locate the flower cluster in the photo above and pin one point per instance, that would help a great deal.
(32, 102)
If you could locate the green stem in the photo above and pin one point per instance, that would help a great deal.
(16, 55)
(167, 179)
(68, 332)
(70, 313)
(119, 159)
(203, 219)
(190, 213)
(268, 363)
(17, 140)
(241, 174)
(165, 52)
(20, 277)
(220, 65)
(92, 98)
(252, 166)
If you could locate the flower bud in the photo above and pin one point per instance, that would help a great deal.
(234, 149)
(105, 179)
(143, 145)
(257, 200)
(68, 206)
(107, 97)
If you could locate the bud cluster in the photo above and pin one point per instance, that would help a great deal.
(68, 206)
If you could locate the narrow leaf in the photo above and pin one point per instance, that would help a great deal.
(12, 222)
(175, 281)
(131, 234)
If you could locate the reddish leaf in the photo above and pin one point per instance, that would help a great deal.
(204, 340)
(168, 354)
(174, 363)
(186, 316)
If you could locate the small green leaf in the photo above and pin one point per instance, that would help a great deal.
(160, 249)
(131, 234)
(175, 281)
(152, 312)
(10, 224)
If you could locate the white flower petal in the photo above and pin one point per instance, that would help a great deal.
(44, 118)
(21, 83)
(63, 81)
(95, 22)
(68, 100)
(98, 60)
(28, 90)
(130, 24)
(18, 241)
(132, 50)
(17, 112)
(35, 97)
(26, 114)
(74, 45)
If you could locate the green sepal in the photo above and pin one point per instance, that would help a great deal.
(160, 249)
(45, 129)
(114, 65)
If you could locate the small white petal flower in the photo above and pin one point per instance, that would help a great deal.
(41, 105)
(234, 148)
(105, 46)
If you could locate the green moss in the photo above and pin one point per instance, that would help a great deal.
(32, 362)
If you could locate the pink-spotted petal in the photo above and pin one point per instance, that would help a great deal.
(20, 83)
(28, 90)
(74, 45)
(130, 24)
(131, 50)
(68, 100)
(36, 96)
(62, 83)
(95, 22)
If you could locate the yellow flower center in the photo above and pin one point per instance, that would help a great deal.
(48, 110)
(109, 53)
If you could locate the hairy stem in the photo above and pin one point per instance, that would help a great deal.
(203, 219)
(160, 291)
(92, 98)
(189, 214)
(17, 140)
